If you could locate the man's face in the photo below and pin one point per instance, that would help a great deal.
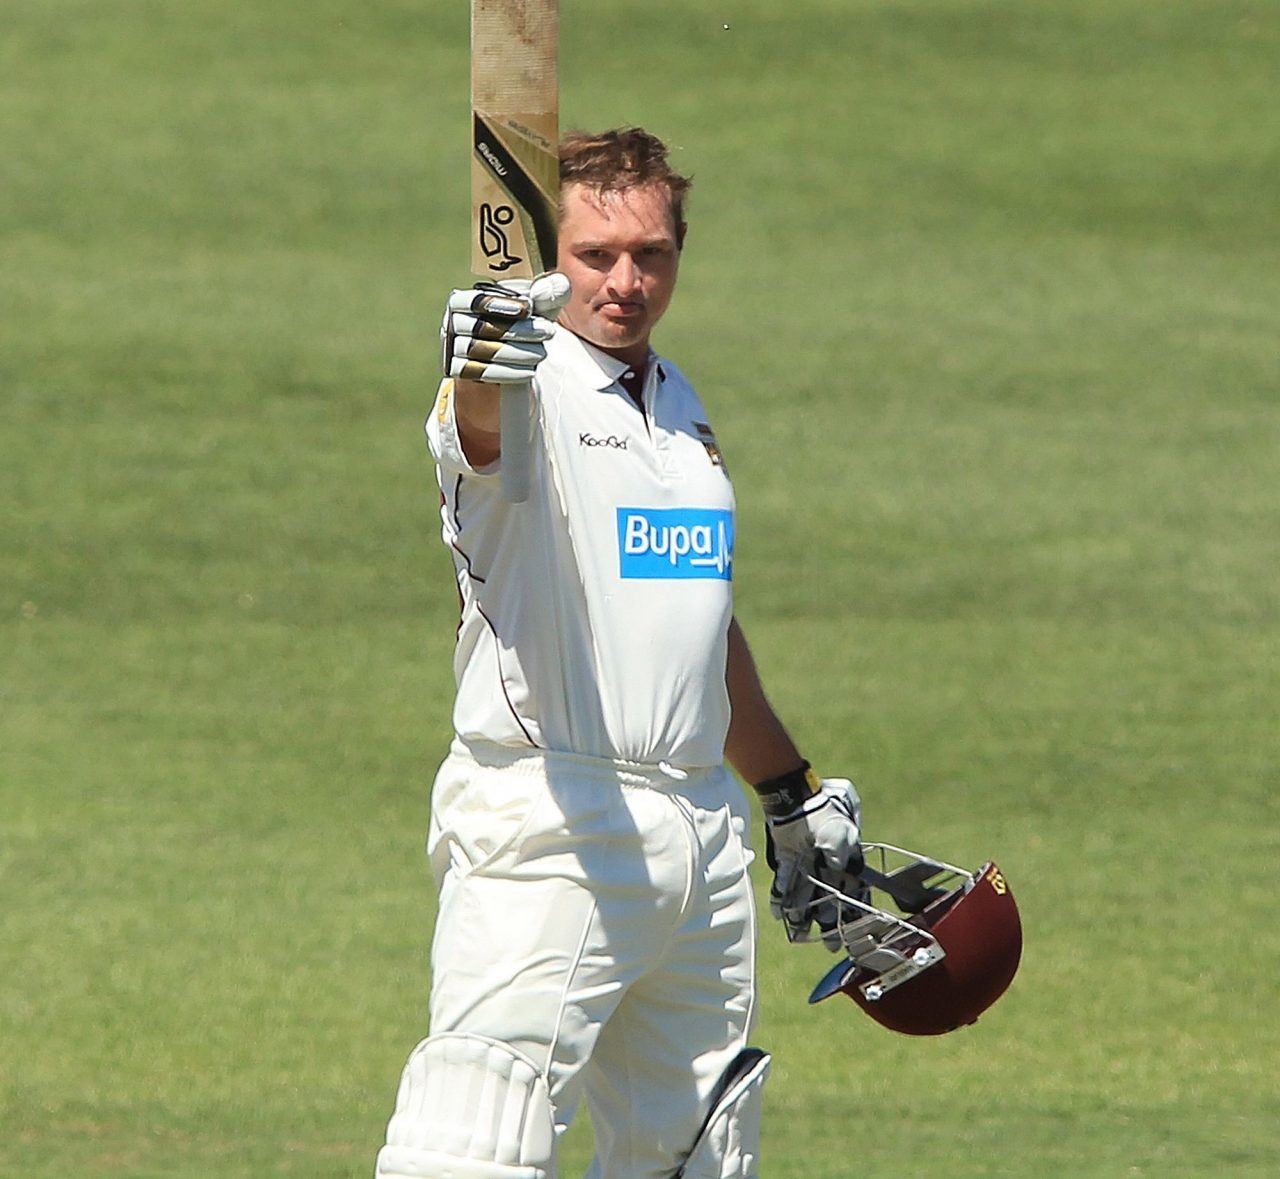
(619, 252)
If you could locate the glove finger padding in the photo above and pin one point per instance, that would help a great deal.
(839, 860)
(828, 913)
(517, 353)
(798, 912)
(516, 298)
(489, 301)
(544, 295)
(489, 374)
(532, 330)
(787, 902)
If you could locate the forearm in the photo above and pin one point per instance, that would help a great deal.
(477, 411)
(758, 745)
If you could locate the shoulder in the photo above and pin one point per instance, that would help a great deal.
(672, 374)
(568, 353)
(676, 387)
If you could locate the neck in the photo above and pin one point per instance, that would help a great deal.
(635, 356)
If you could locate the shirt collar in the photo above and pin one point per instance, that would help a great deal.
(597, 367)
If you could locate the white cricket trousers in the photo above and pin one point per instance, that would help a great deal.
(598, 917)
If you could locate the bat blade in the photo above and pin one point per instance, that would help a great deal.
(515, 170)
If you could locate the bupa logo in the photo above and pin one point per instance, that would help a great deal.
(675, 543)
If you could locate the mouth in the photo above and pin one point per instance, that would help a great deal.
(621, 310)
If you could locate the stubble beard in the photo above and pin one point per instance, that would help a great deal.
(608, 334)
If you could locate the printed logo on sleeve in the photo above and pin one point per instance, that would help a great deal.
(708, 439)
(675, 543)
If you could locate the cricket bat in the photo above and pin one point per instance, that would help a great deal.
(515, 172)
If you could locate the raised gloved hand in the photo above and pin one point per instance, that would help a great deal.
(495, 332)
(812, 830)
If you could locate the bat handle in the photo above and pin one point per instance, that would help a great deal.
(516, 404)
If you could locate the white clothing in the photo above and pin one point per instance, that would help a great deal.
(595, 615)
(596, 926)
(599, 919)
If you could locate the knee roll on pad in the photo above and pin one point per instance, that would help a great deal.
(728, 1146)
(469, 1108)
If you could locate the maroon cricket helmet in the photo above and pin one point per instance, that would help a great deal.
(936, 955)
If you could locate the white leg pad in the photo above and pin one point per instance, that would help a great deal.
(469, 1108)
(729, 1145)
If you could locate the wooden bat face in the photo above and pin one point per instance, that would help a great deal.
(515, 170)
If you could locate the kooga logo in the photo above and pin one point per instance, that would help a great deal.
(675, 543)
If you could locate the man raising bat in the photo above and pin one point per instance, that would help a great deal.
(595, 931)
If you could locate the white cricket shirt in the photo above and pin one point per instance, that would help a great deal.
(595, 615)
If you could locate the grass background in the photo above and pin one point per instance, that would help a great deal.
(984, 298)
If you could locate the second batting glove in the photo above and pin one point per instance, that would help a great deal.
(811, 830)
(496, 332)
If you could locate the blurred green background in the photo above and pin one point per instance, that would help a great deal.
(984, 299)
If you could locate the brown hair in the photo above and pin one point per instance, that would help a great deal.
(627, 157)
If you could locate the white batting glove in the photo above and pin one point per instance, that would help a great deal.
(812, 829)
(495, 332)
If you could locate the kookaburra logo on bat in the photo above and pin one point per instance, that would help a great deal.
(493, 236)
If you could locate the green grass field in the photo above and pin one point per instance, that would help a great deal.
(985, 301)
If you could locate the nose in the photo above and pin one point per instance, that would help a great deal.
(624, 278)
